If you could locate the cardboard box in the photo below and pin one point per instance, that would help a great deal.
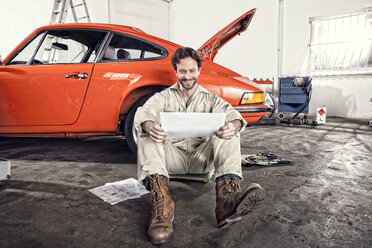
(4, 169)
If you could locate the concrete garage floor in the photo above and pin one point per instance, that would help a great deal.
(323, 199)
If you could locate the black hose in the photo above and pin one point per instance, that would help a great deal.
(308, 90)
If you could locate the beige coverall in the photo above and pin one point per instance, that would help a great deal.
(190, 155)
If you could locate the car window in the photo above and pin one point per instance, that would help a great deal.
(25, 54)
(56, 50)
(69, 46)
(126, 48)
(62, 46)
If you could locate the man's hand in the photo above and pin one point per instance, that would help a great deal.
(156, 132)
(229, 129)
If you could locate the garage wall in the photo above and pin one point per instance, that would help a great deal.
(152, 16)
(192, 22)
(18, 18)
(344, 96)
(251, 54)
(254, 53)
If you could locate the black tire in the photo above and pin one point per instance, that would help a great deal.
(129, 130)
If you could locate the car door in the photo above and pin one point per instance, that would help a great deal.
(45, 82)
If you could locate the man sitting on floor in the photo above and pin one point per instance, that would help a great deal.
(158, 157)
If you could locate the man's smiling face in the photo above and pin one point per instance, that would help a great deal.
(187, 72)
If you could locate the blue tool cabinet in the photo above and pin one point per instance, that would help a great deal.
(293, 97)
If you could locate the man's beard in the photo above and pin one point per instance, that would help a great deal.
(189, 88)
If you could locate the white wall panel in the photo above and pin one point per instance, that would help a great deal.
(18, 18)
(251, 54)
(343, 96)
(152, 16)
(347, 96)
(192, 22)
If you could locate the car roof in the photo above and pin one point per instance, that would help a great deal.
(110, 27)
(94, 25)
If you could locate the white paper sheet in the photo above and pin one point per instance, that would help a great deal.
(186, 125)
(116, 192)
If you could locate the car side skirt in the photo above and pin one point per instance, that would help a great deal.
(59, 135)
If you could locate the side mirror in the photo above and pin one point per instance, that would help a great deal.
(1, 62)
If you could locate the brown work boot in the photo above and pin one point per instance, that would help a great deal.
(161, 227)
(233, 203)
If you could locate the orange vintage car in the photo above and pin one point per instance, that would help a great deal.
(86, 79)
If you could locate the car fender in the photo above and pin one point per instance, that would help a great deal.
(130, 97)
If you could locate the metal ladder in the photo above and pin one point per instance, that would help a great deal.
(59, 15)
(60, 10)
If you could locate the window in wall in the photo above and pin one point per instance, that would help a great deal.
(340, 44)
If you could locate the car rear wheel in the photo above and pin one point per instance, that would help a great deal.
(129, 129)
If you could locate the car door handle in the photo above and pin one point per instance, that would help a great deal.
(81, 75)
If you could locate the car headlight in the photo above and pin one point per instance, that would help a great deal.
(252, 97)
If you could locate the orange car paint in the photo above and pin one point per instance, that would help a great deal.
(37, 100)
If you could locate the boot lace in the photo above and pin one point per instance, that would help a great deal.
(157, 199)
(231, 185)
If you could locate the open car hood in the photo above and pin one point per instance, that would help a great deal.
(210, 48)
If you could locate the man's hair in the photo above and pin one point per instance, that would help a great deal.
(185, 52)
